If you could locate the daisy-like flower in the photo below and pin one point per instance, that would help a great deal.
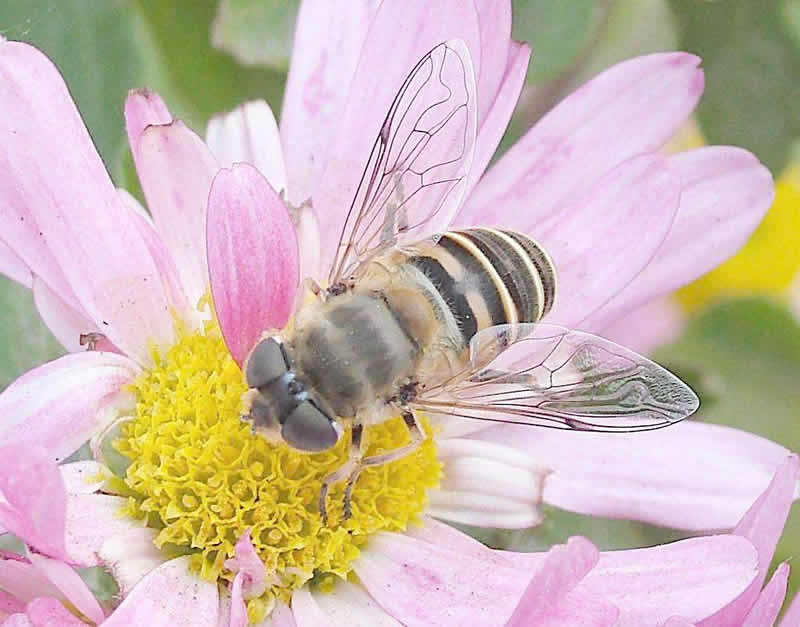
(197, 502)
(713, 580)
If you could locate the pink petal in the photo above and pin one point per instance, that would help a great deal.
(621, 221)
(238, 607)
(9, 604)
(247, 563)
(564, 567)
(677, 621)
(170, 596)
(13, 267)
(424, 584)
(58, 405)
(249, 134)
(762, 524)
(765, 611)
(350, 605)
(23, 581)
(628, 110)
(791, 617)
(143, 108)
(65, 322)
(49, 612)
(176, 169)
(494, 20)
(70, 584)
(694, 577)
(327, 45)
(252, 249)
(90, 254)
(440, 534)
(647, 327)
(493, 127)
(33, 499)
(400, 35)
(17, 620)
(91, 520)
(634, 476)
(725, 194)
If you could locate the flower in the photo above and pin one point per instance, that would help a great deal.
(199, 492)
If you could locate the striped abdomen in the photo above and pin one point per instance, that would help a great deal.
(483, 277)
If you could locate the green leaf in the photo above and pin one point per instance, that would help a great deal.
(196, 79)
(92, 43)
(25, 342)
(752, 64)
(256, 32)
(559, 33)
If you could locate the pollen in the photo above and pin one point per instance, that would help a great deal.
(201, 477)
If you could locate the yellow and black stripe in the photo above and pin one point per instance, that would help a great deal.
(484, 277)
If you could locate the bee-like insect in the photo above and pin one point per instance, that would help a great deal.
(447, 324)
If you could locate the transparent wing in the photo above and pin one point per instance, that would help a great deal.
(549, 376)
(416, 174)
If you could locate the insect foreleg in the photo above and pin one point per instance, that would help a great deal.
(349, 469)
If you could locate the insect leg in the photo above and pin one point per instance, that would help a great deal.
(417, 433)
(352, 465)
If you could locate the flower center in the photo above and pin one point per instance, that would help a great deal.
(200, 476)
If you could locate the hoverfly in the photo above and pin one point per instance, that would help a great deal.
(448, 324)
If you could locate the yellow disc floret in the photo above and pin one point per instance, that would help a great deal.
(200, 476)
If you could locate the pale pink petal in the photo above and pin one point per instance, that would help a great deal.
(143, 108)
(635, 476)
(22, 580)
(349, 605)
(84, 477)
(494, 20)
(130, 557)
(791, 617)
(493, 127)
(170, 596)
(765, 611)
(17, 620)
(58, 405)
(176, 169)
(628, 110)
(252, 250)
(400, 35)
(725, 194)
(66, 323)
(309, 239)
(695, 577)
(33, 499)
(327, 46)
(423, 584)
(70, 584)
(305, 609)
(249, 134)
(247, 563)
(281, 617)
(238, 609)
(677, 621)
(564, 567)
(487, 485)
(440, 534)
(91, 520)
(647, 327)
(49, 612)
(53, 173)
(622, 221)
(13, 267)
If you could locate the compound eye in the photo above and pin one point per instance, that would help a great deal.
(265, 363)
(308, 429)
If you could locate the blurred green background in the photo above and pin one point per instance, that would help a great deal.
(741, 343)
